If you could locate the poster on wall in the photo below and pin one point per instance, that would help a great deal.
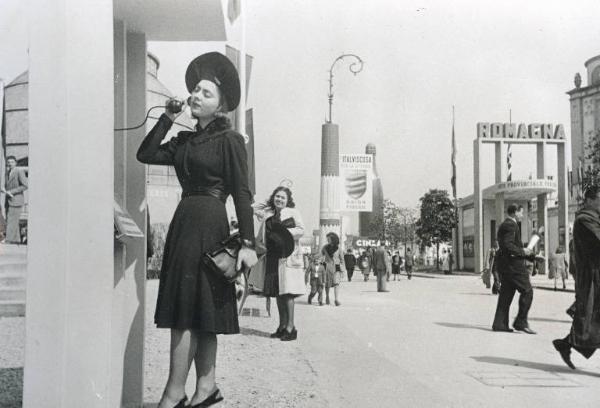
(356, 180)
(469, 247)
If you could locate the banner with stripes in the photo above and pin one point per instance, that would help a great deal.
(356, 178)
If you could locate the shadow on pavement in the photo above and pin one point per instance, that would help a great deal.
(11, 387)
(551, 368)
(464, 326)
(425, 276)
(541, 287)
(477, 293)
(253, 332)
(543, 319)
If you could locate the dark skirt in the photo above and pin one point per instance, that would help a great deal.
(190, 297)
(395, 269)
(271, 288)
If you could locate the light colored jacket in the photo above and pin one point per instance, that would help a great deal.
(294, 261)
(332, 261)
(16, 184)
(380, 260)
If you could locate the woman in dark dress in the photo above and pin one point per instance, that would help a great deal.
(396, 262)
(283, 278)
(210, 164)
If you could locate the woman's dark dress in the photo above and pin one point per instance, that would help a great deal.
(271, 287)
(209, 163)
(396, 265)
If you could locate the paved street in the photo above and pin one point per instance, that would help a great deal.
(427, 343)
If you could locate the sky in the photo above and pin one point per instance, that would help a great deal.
(421, 58)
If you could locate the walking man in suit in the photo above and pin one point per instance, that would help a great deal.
(584, 336)
(513, 273)
(16, 184)
(380, 265)
(350, 262)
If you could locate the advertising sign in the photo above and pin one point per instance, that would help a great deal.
(356, 177)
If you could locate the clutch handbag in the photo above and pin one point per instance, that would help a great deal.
(223, 260)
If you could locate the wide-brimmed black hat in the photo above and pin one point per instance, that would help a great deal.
(280, 241)
(217, 68)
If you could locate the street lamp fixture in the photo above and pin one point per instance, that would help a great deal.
(354, 67)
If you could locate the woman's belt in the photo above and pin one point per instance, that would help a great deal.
(203, 191)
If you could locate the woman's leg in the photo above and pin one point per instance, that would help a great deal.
(336, 291)
(282, 309)
(183, 348)
(289, 305)
(327, 294)
(205, 362)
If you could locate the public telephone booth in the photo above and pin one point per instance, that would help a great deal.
(87, 214)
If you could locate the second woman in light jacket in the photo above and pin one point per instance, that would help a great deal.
(282, 278)
(334, 266)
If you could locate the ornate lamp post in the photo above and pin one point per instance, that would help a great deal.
(329, 214)
(354, 67)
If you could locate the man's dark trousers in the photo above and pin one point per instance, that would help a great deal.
(509, 285)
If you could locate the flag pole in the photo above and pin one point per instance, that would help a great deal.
(455, 243)
(509, 151)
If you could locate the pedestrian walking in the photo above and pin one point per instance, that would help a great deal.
(334, 266)
(445, 262)
(450, 261)
(558, 267)
(349, 262)
(283, 270)
(408, 263)
(316, 279)
(16, 184)
(584, 336)
(513, 273)
(2, 225)
(396, 262)
(388, 266)
(193, 302)
(365, 264)
(380, 265)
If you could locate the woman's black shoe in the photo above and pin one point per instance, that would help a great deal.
(277, 334)
(210, 400)
(288, 336)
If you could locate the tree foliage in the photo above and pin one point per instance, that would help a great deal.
(407, 218)
(398, 224)
(437, 218)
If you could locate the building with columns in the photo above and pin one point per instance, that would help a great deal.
(481, 214)
(585, 121)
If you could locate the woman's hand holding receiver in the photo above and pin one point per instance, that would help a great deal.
(169, 108)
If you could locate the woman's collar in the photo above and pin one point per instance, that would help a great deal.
(216, 125)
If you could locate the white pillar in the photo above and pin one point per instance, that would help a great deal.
(542, 201)
(500, 201)
(459, 246)
(478, 204)
(563, 197)
(500, 167)
(70, 255)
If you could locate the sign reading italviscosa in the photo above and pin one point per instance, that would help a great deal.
(356, 178)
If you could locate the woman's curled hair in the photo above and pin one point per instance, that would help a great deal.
(290, 201)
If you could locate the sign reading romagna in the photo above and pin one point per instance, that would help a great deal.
(356, 176)
(487, 130)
